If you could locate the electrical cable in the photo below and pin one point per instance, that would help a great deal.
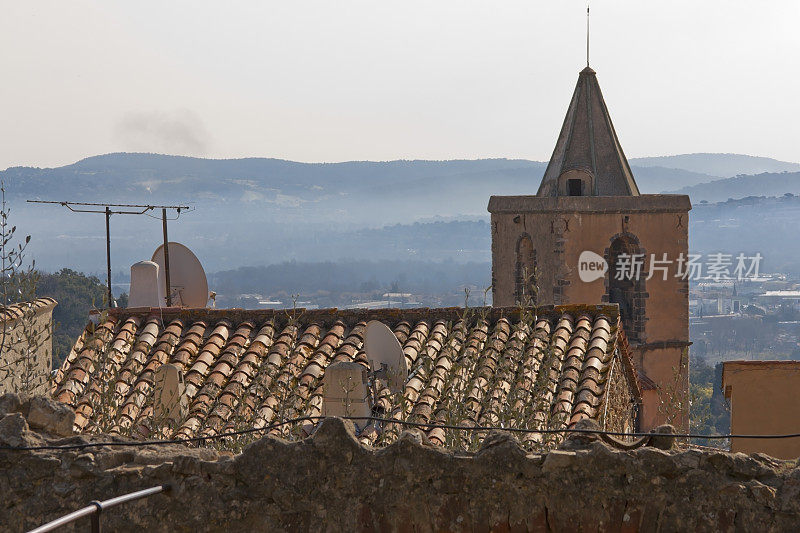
(188, 440)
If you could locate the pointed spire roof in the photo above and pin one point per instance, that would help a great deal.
(588, 144)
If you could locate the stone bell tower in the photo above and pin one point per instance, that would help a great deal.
(589, 236)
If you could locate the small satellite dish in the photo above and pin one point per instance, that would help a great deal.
(187, 279)
(385, 355)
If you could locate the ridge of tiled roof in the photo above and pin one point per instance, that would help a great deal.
(253, 367)
(18, 310)
(635, 378)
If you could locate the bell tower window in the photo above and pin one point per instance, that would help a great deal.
(576, 182)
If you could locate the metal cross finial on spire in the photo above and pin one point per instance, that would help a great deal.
(587, 34)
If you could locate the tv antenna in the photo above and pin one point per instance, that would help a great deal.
(123, 209)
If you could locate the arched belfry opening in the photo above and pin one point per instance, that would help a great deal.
(526, 287)
(576, 183)
(625, 283)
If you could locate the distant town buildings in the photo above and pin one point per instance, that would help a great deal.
(757, 318)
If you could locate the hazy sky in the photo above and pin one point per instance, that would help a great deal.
(378, 80)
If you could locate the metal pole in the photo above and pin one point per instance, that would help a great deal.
(166, 257)
(96, 527)
(108, 254)
(95, 509)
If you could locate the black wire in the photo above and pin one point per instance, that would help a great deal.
(431, 425)
(566, 430)
(185, 440)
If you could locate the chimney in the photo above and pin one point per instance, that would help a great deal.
(169, 401)
(145, 291)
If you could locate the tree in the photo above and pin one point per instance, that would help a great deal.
(77, 294)
(709, 412)
(24, 365)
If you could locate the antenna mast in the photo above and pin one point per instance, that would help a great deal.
(124, 209)
(587, 34)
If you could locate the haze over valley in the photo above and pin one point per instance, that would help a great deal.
(256, 212)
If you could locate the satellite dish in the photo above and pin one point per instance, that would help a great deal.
(385, 355)
(187, 279)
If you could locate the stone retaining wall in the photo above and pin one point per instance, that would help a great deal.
(330, 482)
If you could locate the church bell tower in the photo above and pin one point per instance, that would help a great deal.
(588, 236)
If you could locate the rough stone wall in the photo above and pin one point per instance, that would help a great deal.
(619, 407)
(546, 232)
(330, 483)
(562, 228)
(20, 369)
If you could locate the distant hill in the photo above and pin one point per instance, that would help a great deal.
(136, 177)
(260, 211)
(767, 225)
(154, 177)
(721, 165)
(767, 184)
(653, 180)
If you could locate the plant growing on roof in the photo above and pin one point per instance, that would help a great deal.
(111, 358)
(454, 406)
(483, 312)
(293, 316)
(284, 388)
(536, 404)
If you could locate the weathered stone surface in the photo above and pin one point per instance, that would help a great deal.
(13, 428)
(581, 440)
(51, 416)
(10, 402)
(329, 482)
(558, 460)
(663, 437)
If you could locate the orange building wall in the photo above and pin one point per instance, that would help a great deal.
(765, 401)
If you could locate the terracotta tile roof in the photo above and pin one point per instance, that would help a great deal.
(15, 311)
(489, 366)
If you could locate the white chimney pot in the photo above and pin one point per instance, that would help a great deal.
(146, 291)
